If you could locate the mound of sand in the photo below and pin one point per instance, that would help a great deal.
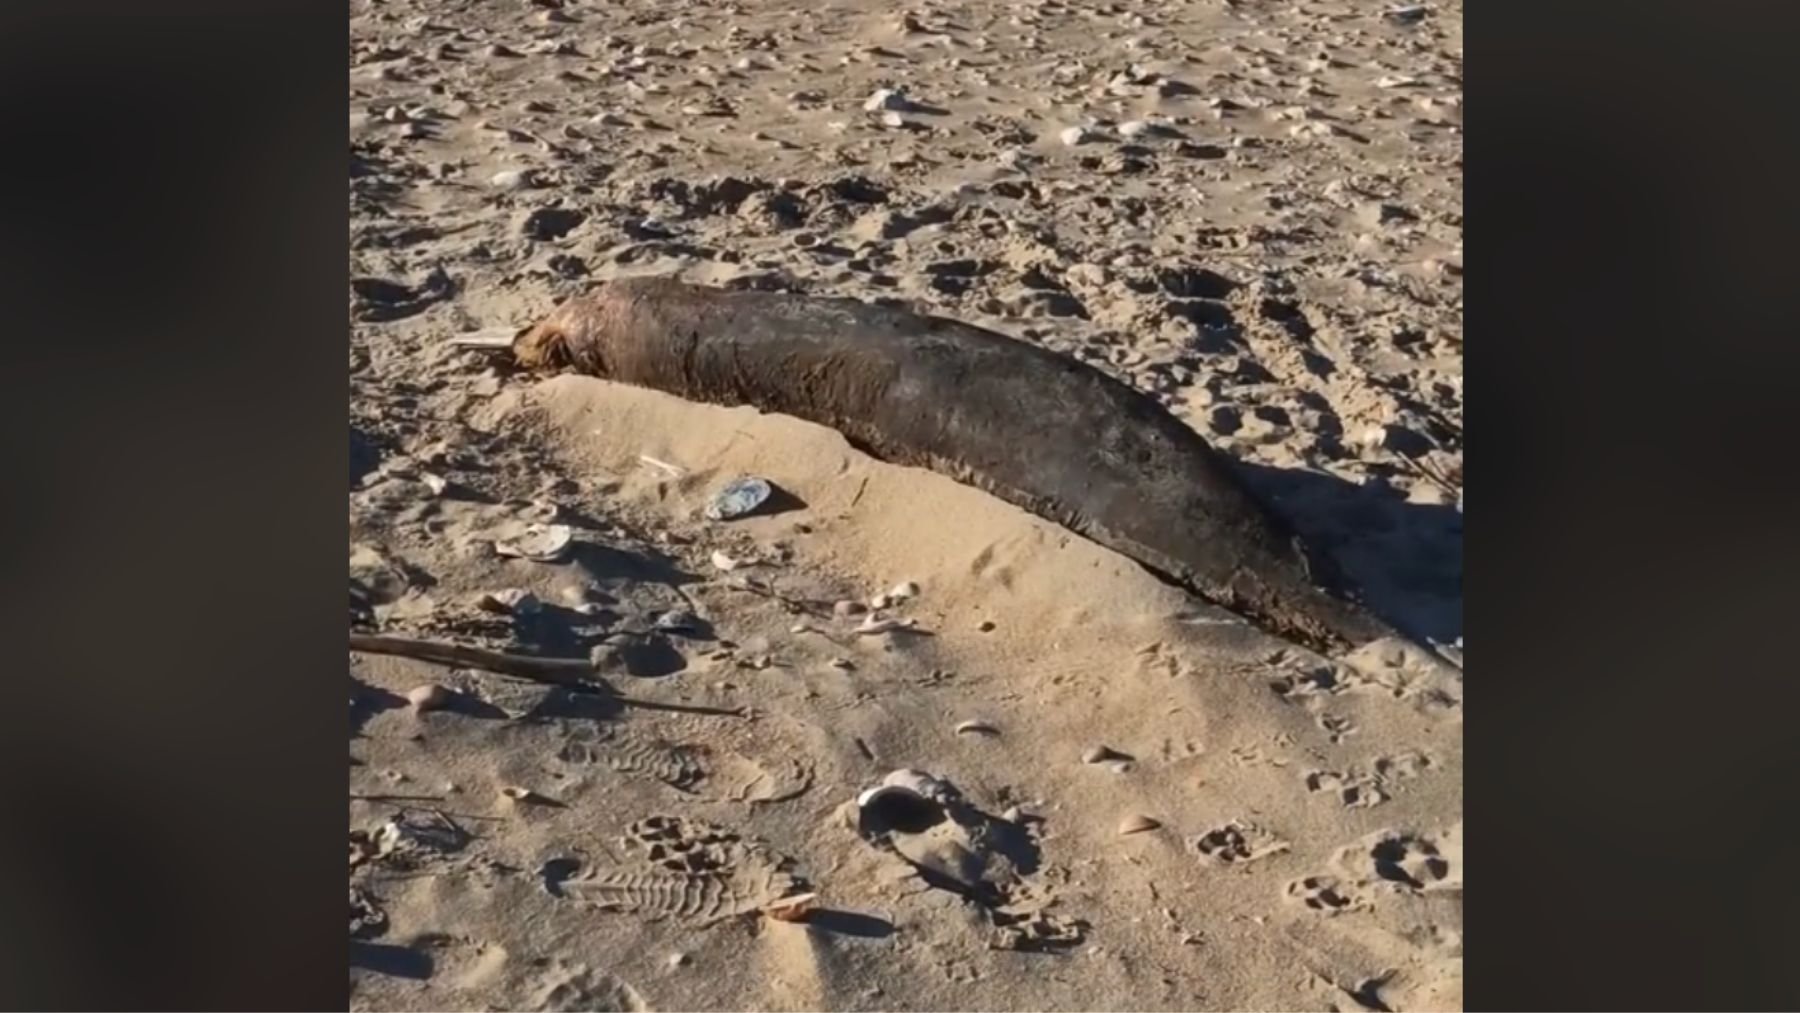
(1308, 838)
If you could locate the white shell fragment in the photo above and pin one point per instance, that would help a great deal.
(872, 625)
(976, 728)
(913, 783)
(791, 909)
(885, 98)
(738, 497)
(429, 697)
(541, 543)
(723, 562)
(1100, 754)
(1136, 823)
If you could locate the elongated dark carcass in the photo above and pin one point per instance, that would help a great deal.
(1044, 432)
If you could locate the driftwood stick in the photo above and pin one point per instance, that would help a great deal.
(491, 340)
(557, 671)
(554, 671)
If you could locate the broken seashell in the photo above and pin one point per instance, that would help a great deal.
(723, 562)
(436, 483)
(429, 697)
(1136, 823)
(541, 543)
(906, 782)
(1100, 754)
(738, 497)
(977, 728)
(872, 625)
(902, 591)
(792, 909)
(527, 795)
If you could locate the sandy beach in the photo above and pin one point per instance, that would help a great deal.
(1250, 211)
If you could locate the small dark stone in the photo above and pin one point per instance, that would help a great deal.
(550, 223)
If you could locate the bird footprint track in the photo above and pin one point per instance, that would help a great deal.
(1409, 862)
(1238, 842)
(1324, 894)
(570, 987)
(1358, 788)
(1387, 861)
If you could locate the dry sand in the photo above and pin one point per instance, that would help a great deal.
(1277, 257)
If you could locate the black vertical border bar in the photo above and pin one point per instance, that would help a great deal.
(1631, 362)
(173, 261)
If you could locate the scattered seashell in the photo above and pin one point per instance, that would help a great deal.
(844, 663)
(892, 120)
(738, 498)
(1136, 823)
(847, 608)
(886, 98)
(914, 784)
(511, 179)
(1076, 135)
(429, 697)
(1101, 754)
(436, 483)
(792, 909)
(678, 959)
(985, 626)
(525, 795)
(903, 591)
(541, 543)
(976, 728)
(873, 625)
(723, 562)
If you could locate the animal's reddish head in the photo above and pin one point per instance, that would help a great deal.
(544, 346)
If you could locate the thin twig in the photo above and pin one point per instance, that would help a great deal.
(395, 798)
(491, 340)
(554, 671)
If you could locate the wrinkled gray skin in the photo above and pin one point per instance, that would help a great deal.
(1042, 431)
